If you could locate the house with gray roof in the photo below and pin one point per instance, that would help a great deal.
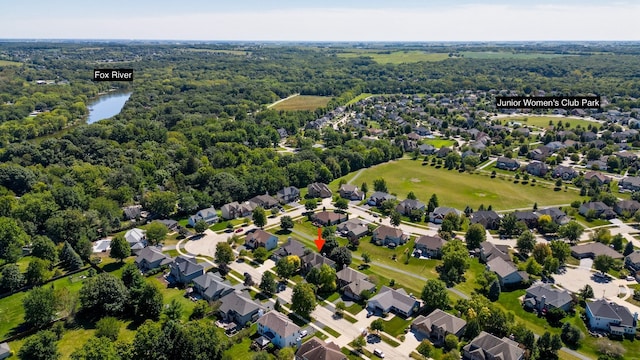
(137, 239)
(406, 206)
(351, 192)
(438, 214)
(611, 317)
(291, 247)
(527, 217)
(626, 208)
(430, 246)
(260, 238)
(591, 250)
(378, 197)
(265, 201)
(597, 209)
(133, 212)
(506, 163)
(238, 308)
(487, 346)
(598, 177)
(288, 194)
(209, 215)
(235, 209)
(558, 216)
(352, 283)
(391, 300)
(487, 218)
(185, 269)
(489, 251)
(565, 173)
(328, 218)
(632, 261)
(629, 183)
(385, 235)
(279, 329)
(437, 325)
(545, 296)
(353, 229)
(314, 260)
(5, 351)
(151, 258)
(507, 272)
(211, 287)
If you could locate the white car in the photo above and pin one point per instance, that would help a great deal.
(304, 333)
(378, 353)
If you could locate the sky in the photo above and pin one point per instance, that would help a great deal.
(327, 20)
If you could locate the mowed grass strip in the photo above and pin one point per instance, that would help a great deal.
(9, 63)
(397, 57)
(303, 102)
(461, 189)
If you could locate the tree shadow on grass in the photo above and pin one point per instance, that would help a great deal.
(113, 266)
(283, 232)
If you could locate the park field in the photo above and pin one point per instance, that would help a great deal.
(9, 63)
(460, 189)
(397, 57)
(543, 121)
(303, 102)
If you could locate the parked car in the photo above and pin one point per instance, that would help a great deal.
(240, 230)
(378, 353)
(304, 333)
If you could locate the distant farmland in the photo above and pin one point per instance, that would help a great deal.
(397, 57)
(9, 63)
(302, 102)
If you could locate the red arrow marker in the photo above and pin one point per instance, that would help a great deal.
(319, 241)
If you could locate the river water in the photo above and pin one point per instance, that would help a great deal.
(106, 106)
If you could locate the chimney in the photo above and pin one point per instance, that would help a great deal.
(543, 302)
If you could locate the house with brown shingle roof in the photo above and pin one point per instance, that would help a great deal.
(437, 325)
(329, 218)
(317, 349)
(591, 250)
(261, 238)
(279, 329)
(385, 235)
(487, 346)
(430, 246)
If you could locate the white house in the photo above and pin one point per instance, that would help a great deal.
(279, 329)
(611, 317)
(209, 215)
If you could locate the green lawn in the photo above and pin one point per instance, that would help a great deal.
(9, 63)
(469, 285)
(461, 189)
(396, 326)
(396, 57)
(438, 143)
(543, 121)
(358, 98)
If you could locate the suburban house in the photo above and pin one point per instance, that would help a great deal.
(385, 235)
(209, 215)
(611, 317)
(632, 261)
(319, 190)
(626, 208)
(527, 217)
(596, 176)
(353, 229)
(211, 287)
(133, 212)
(537, 168)
(378, 197)
(489, 251)
(261, 238)
(317, 349)
(591, 250)
(265, 201)
(545, 296)
(505, 163)
(391, 300)
(328, 218)
(406, 206)
(438, 214)
(426, 149)
(184, 269)
(151, 258)
(486, 346)
(314, 260)
(437, 325)
(279, 329)
(507, 272)
(238, 308)
(629, 183)
(352, 283)
(291, 247)
(288, 194)
(596, 209)
(565, 173)
(429, 246)
(351, 192)
(136, 238)
(235, 209)
(172, 225)
(487, 218)
(558, 216)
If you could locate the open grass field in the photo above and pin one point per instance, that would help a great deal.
(358, 98)
(438, 143)
(303, 102)
(543, 121)
(461, 189)
(9, 63)
(507, 55)
(397, 57)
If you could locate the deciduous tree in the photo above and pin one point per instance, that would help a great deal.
(259, 217)
(120, 248)
(39, 306)
(156, 232)
(475, 235)
(435, 296)
(303, 300)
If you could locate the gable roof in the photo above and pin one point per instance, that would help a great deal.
(554, 297)
(596, 249)
(314, 259)
(213, 284)
(259, 236)
(329, 216)
(238, 303)
(152, 254)
(444, 210)
(430, 242)
(440, 319)
(291, 247)
(501, 267)
(496, 348)
(350, 275)
(317, 349)
(187, 266)
(134, 235)
(491, 251)
(384, 231)
(634, 257)
(279, 323)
